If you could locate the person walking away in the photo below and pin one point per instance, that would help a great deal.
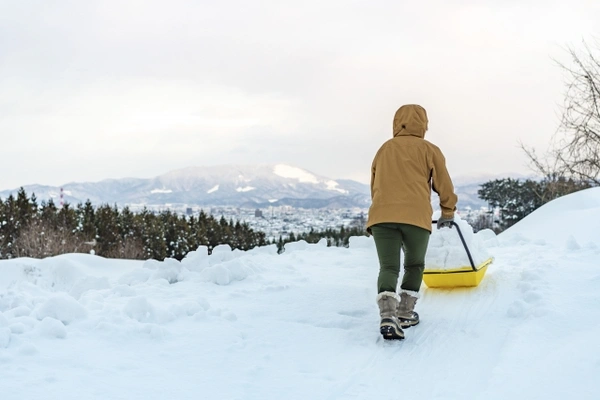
(404, 171)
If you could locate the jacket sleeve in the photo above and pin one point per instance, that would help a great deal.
(442, 184)
(372, 176)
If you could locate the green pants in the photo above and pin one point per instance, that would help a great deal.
(389, 239)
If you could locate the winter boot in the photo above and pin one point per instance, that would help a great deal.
(389, 326)
(407, 317)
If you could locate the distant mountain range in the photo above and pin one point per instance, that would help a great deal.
(246, 186)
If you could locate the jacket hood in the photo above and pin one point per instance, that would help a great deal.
(410, 120)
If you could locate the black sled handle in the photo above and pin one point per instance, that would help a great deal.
(462, 239)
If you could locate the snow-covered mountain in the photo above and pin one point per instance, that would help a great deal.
(228, 185)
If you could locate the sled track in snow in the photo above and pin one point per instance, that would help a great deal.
(449, 320)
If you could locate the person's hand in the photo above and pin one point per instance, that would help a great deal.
(443, 222)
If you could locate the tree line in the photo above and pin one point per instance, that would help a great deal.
(29, 229)
(511, 200)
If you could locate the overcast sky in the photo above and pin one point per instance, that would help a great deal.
(108, 89)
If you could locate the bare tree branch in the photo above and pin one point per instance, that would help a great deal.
(575, 148)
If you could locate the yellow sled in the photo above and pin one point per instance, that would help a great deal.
(466, 276)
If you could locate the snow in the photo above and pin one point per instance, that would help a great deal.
(446, 251)
(286, 171)
(333, 185)
(245, 189)
(575, 212)
(154, 191)
(303, 324)
(213, 189)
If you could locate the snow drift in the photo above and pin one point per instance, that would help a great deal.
(304, 324)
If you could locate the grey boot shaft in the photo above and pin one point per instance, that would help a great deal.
(406, 314)
(388, 304)
(407, 303)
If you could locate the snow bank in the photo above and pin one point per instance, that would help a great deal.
(567, 221)
(360, 242)
(303, 324)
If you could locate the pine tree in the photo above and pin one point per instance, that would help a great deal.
(87, 222)
(3, 223)
(153, 237)
(25, 209)
(10, 226)
(176, 231)
(107, 227)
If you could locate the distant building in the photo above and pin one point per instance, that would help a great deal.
(258, 213)
(188, 211)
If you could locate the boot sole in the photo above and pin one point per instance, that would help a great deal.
(408, 325)
(391, 333)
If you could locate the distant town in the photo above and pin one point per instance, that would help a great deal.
(283, 220)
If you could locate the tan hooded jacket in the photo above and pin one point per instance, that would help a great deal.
(404, 171)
